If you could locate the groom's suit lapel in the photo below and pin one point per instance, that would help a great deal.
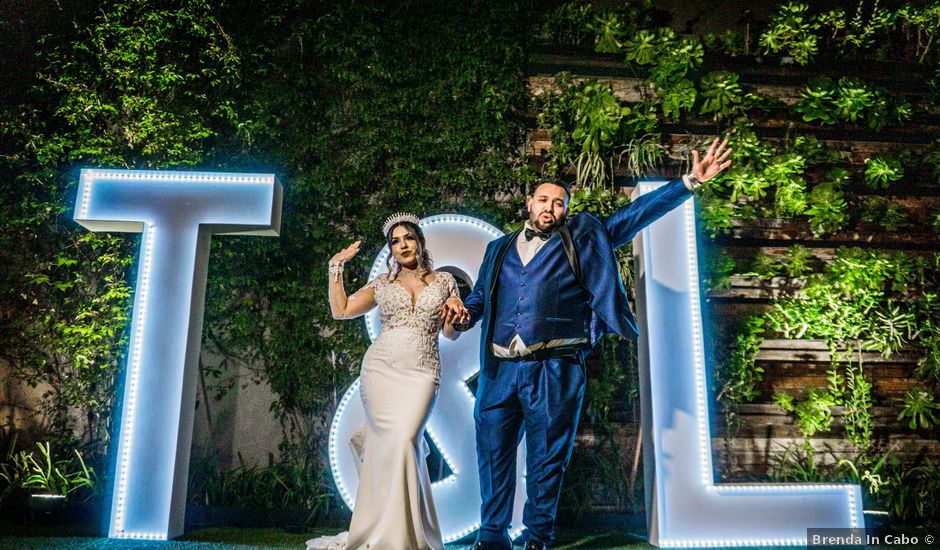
(500, 256)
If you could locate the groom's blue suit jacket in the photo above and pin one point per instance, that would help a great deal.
(594, 240)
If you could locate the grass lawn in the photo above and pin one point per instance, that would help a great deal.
(13, 537)
(26, 537)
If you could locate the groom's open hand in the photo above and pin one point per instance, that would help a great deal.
(716, 159)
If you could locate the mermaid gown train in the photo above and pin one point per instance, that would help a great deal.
(399, 380)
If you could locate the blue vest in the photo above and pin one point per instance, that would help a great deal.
(542, 300)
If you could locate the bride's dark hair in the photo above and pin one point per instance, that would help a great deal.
(424, 257)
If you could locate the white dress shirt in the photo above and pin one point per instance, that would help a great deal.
(527, 249)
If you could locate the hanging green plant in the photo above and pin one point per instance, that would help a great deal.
(839, 176)
(685, 53)
(928, 313)
(738, 373)
(749, 148)
(887, 111)
(818, 101)
(786, 173)
(792, 31)
(790, 199)
(672, 58)
(745, 184)
(852, 99)
(609, 32)
(932, 161)
(569, 23)
(862, 31)
(871, 29)
(881, 172)
(595, 133)
(598, 113)
(716, 215)
(677, 98)
(919, 409)
(798, 261)
(895, 216)
(906, 272)
(827, 209)
(814, 413)
(857, 402)
(729, 42)
(719, 266)
(600, 201)
(556, 113)
(597, 117)
(755, 104)
(642, 48)
(921, 24)
(814, 151)
(642, 155)
(887, 213)
(895, 326)
(765, 266)
(721, 94)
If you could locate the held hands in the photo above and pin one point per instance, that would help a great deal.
(453, 312)
(716, 159)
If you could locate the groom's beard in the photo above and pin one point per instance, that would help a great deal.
(549, 227)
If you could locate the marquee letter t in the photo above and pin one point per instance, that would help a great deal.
(177, 213)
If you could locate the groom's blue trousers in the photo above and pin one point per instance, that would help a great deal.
(541, 399)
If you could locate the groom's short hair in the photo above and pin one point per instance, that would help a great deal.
(554, 181)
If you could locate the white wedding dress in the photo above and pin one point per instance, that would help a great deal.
(399, 380)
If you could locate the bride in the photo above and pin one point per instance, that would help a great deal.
(399, 382)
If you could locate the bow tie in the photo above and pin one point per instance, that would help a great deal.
(530, 233)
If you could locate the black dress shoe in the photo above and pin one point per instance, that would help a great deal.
(535, 545)
(487, 545)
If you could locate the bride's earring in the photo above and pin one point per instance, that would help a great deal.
(393, 265)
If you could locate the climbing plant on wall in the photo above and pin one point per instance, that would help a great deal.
(360, 109)
(131, 87)
(860, 299)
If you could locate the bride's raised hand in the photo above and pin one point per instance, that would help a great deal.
(346, 254)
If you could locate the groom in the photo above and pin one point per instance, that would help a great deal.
(545, 294)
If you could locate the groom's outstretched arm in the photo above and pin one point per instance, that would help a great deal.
(625, 223)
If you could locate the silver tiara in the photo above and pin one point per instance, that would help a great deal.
(397, 218)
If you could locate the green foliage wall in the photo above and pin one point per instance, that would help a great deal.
(361, 110)
(841, 152)
(136, 86)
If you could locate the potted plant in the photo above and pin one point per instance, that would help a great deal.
(49, 481)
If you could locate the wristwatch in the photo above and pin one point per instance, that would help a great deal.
(691, 182)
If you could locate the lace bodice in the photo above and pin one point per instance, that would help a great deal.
(396, 309)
